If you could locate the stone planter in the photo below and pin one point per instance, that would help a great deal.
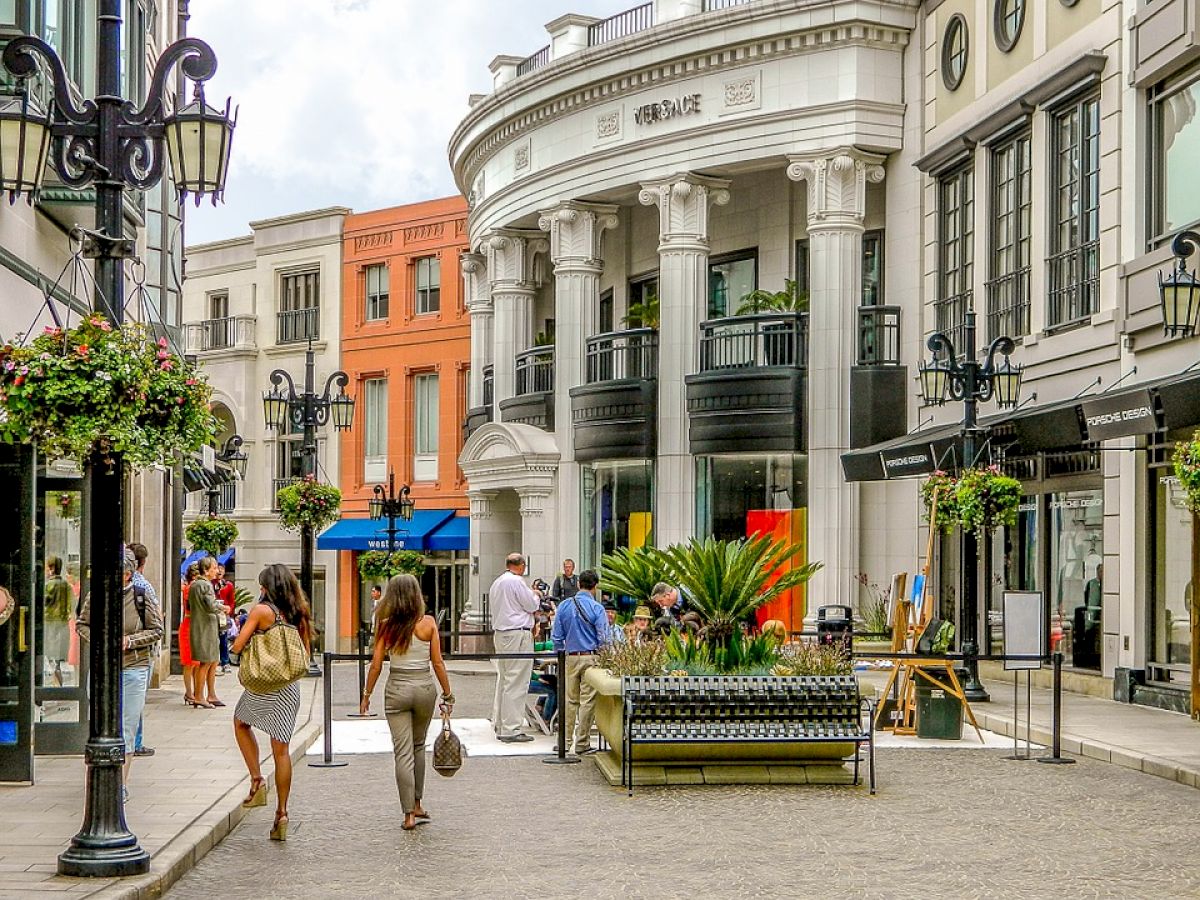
(727, 762)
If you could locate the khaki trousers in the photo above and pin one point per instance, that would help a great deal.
(581, 702)
(512, 682)
(408, 701)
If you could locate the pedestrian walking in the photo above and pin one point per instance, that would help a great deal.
(204, 611)
(581, 628)
(140, 555)
(281, 602)
(566, 583)
(186, 663)
(225, 594)
(513, 604)
(141, 629)
(409, 639)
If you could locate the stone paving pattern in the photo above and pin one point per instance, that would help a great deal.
(945, 824)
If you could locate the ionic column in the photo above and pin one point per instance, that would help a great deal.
(683, 202)
(837, 195)
(576, 236)
(511, 270)
(479, 307)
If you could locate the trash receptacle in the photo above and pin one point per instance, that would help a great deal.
(835, 625)
(939, 714)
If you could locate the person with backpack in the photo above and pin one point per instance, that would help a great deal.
(204, 611)
(143, 587)
(581, 628)
(142, 628)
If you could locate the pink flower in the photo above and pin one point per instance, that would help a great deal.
(179, 400)
(105, 326)
(162, 342)
(166, 365)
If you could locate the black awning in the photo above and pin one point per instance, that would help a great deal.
(1119, 414)
(1180, 400)
(916, 453)
(1054, 426)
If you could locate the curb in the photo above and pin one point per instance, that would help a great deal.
(1076, 745)
(191, 845)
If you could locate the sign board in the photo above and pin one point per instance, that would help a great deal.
(1024, 629)
(1130, 412)
(914, 459)
(208, 457)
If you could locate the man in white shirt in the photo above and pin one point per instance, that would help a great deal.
(512, 604)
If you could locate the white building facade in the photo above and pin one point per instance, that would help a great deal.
(253, 305)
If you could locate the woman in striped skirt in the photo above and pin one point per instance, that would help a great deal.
(275, 713)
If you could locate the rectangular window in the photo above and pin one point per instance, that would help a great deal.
(299, 313)
(377, 292)
(604, 319)
(802, 276)
(730, 279)
(1076, 575)
(134, 62)
(1074, 263)
(1008, 286)
(218, 306)
(643, 303)
(1174, 149)
(956, 268)
(1171, 549)
(375, 429)
(872, 269)
(425, 427)
(429, 285)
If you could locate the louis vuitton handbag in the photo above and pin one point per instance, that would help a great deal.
(273, 659)
(447, 749)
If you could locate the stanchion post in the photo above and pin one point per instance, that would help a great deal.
(1056, 717)
(561, 756)
(327, 761)
(362, 676)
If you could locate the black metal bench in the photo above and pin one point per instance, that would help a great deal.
(745, 708)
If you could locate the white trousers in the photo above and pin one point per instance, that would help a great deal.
(512, 682)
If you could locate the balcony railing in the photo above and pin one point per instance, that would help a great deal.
(621, 354)
(217, 334)
(226, 499)
(295, 326)
(535, 371)
(621, 25)
(772, 339)
(536, 61)
(879, 335)
(710, 5)
(1008, 305)
(1074, 284)
(276, 484)
(489, 385)
(950, 313)
(228, 333)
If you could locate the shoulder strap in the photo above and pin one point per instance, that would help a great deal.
(139, 602)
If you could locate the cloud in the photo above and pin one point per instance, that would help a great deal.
(352, 102)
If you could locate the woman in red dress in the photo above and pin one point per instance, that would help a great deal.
(185, 640)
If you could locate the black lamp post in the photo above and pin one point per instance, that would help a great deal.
(113, 144)
(1179, 292)
(308, 410)
(969, 380)
(232, 454)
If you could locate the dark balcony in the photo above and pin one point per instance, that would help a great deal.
(614, 413)
(197, 501)
(749, 394)
(295, 326)
(534, 400)
(879, 335)
(481, 415)
(878, 402)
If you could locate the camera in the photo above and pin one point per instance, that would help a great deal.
(540, 585)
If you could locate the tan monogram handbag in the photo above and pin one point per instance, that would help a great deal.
(273, 659)
(447, 750)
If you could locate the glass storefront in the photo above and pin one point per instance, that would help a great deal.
(618, 508)
(1016, 566)
(1171, 587)
(1076, 557)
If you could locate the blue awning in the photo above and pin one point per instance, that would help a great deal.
(194, 556)
(371, 534)
(225, 557)
(454, 534)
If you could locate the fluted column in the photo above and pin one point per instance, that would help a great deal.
(479, 306)
(837, 195)
(512, 273)
(537, 533)
(484, 552)
(576, 237)
(683, 203)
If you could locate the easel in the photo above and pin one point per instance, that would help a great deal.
(907, 671)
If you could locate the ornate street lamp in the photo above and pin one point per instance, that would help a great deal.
(112, 144)
(391, 505)
(946, 376)
(1179, 292)
(308, 410)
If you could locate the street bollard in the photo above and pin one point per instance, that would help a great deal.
(561, 757)
(1056, 718)
(327, 761)
(362, 676)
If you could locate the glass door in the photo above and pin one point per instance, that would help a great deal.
(16, 619)
(60, 667)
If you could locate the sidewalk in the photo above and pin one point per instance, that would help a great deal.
(1153, 741)
(183, 800)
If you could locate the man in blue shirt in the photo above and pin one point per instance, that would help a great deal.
(580, 628)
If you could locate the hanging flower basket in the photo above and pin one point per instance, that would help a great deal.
(978, 500)
(379, 565)
(214, 536)
(101, 388)
(1187, 470)
(943, 484)
(67, 503)
(308, 502)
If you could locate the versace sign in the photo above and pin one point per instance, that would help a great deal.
(671, 108)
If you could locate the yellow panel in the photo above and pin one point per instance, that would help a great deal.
(640, 524)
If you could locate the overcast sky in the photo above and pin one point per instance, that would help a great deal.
(352, 102)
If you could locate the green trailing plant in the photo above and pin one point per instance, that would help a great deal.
(643, 315)
(98, 388)
(213, 535)
(1186, 461)
(986, 499)
(379, 565)
(941, 485)
(632, 572)
(790, 299)
(726, 581)
(633, 658)
(543, 339)
(813, 659)
(308, 502)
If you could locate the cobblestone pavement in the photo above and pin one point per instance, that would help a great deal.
(945, 824)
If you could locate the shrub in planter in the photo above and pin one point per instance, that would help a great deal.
(1187, 469)
(813, 659)
(308, 502)
(632, 572)
(214, 535)
(99, 388)
(622, 659)
(379, 565)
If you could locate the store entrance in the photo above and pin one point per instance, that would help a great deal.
(17, 586)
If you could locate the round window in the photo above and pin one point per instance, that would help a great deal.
(954, 52)
(1009, 19)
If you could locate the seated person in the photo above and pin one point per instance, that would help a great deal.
(546, 686)
(641, 625)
